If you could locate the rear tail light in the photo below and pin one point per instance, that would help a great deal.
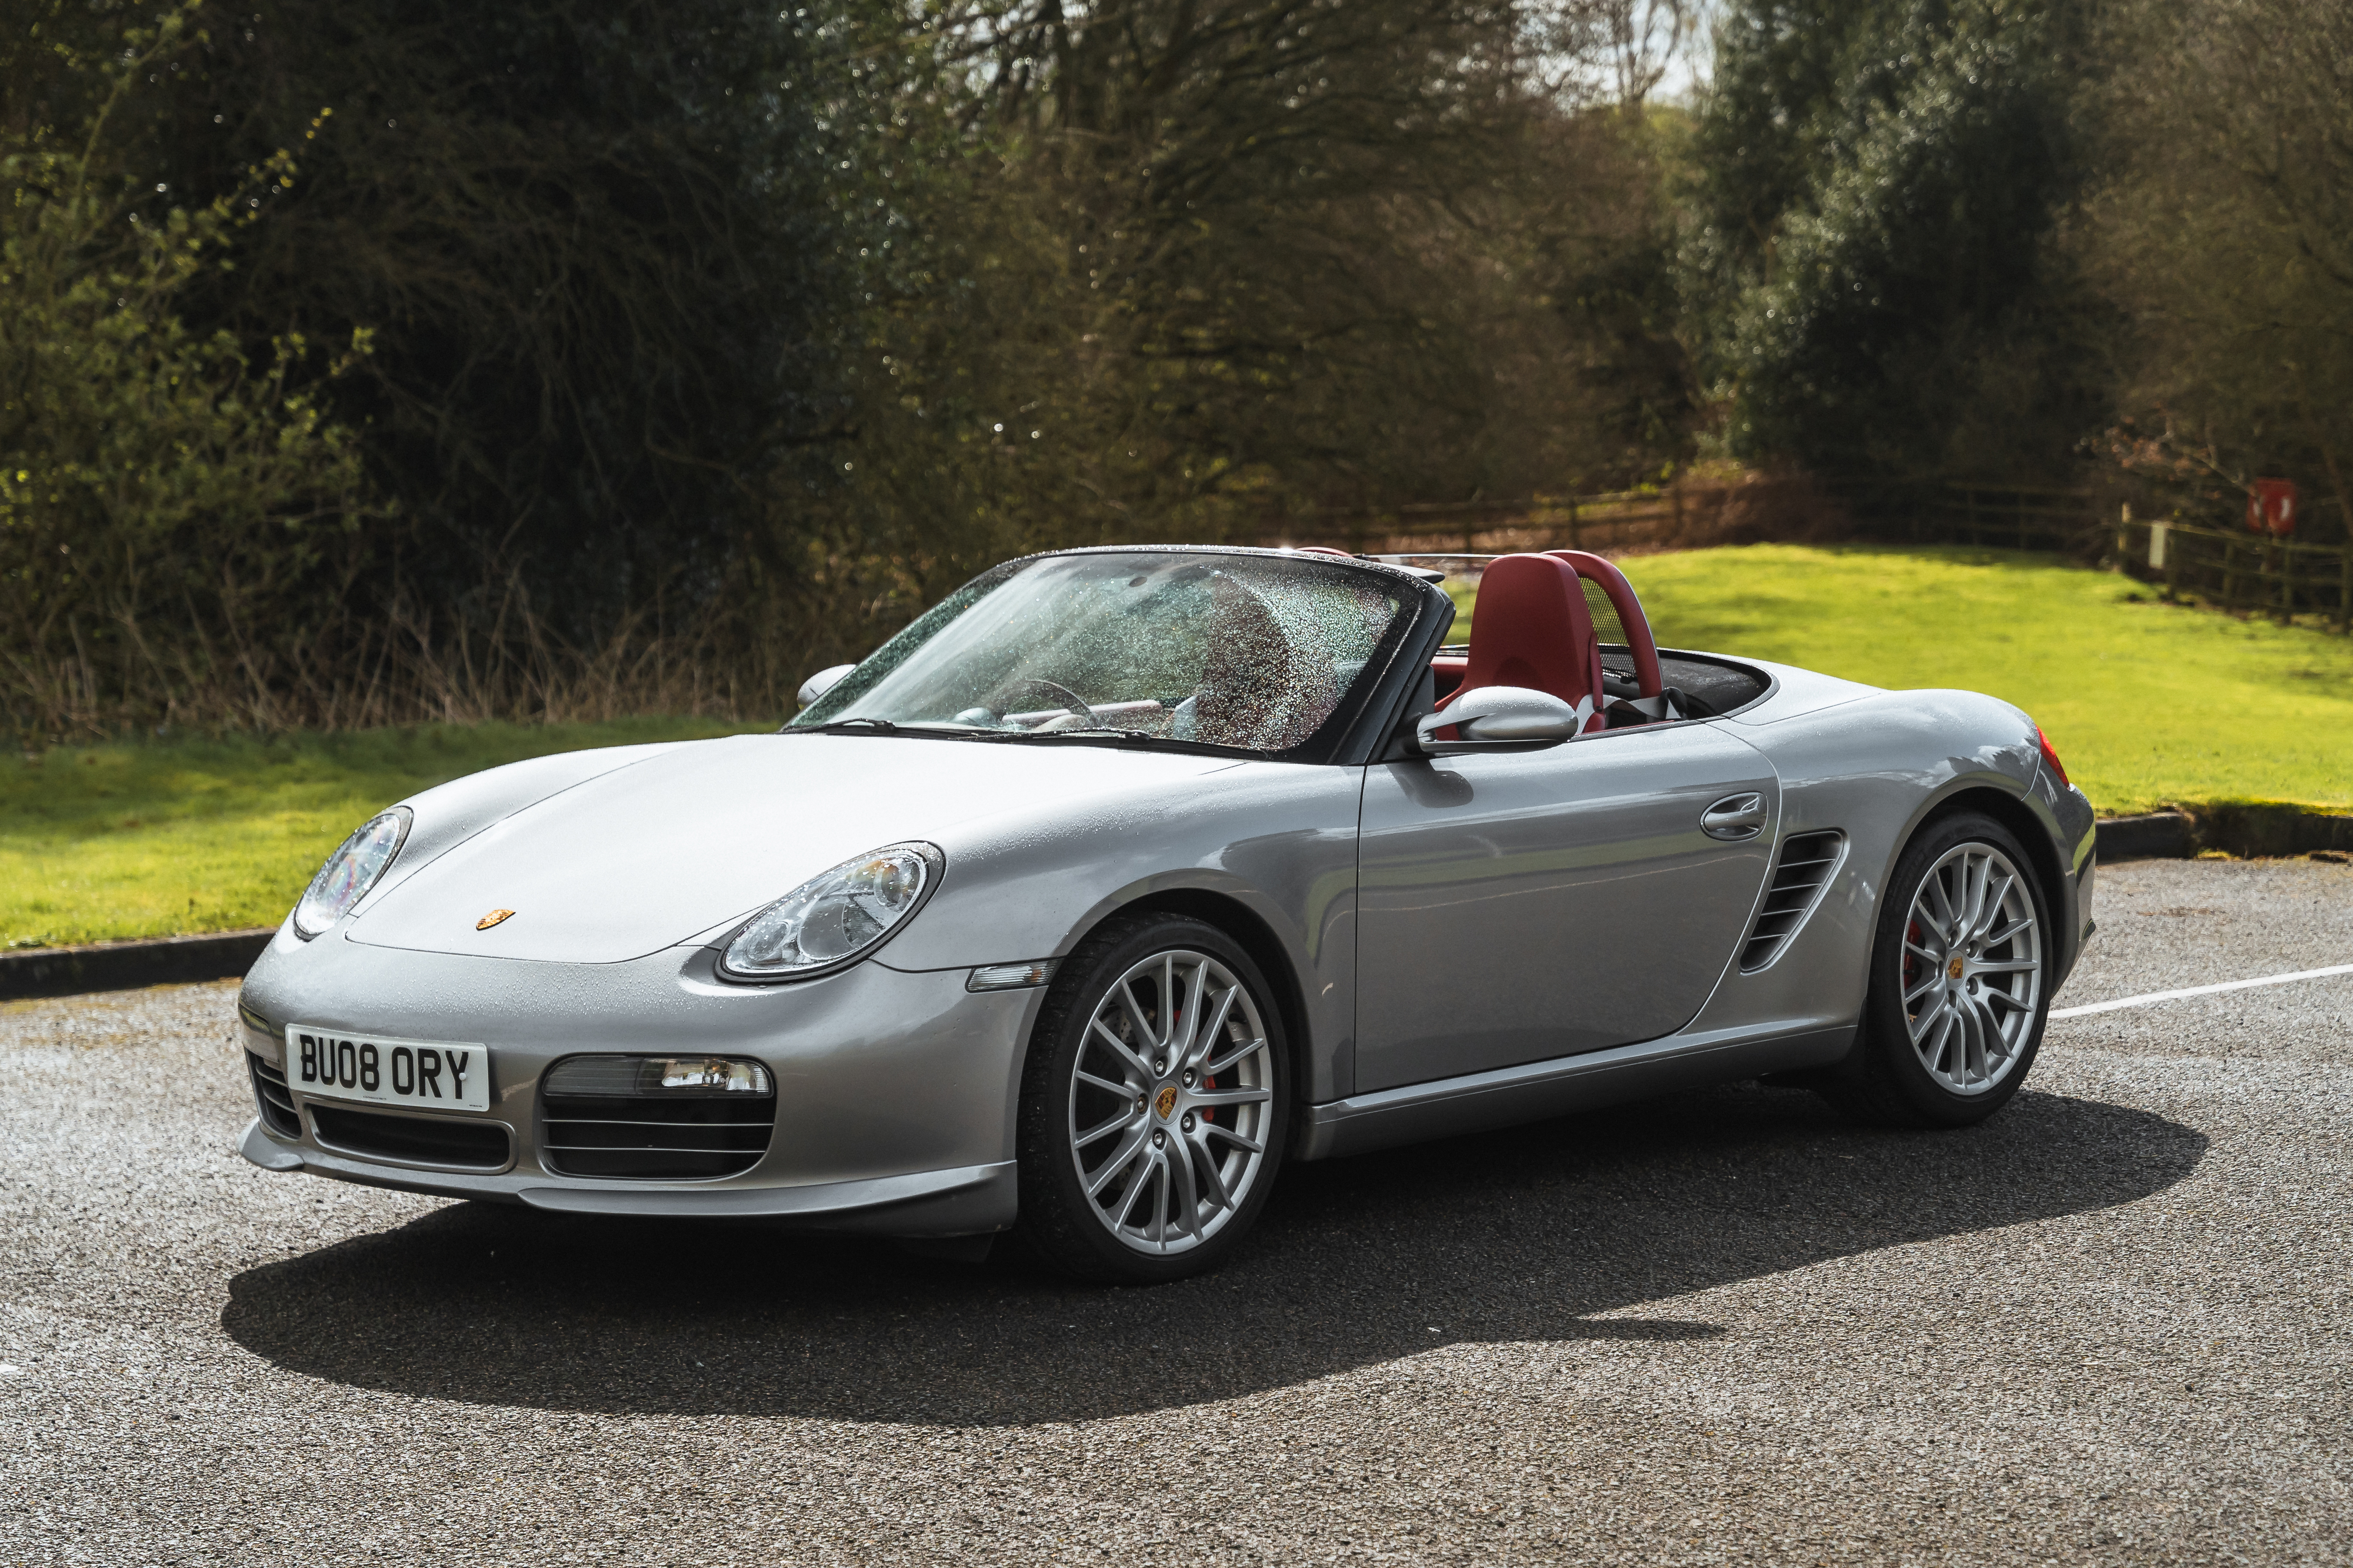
(2050, 757)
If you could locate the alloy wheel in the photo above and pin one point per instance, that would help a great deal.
(1972, 968)
(1169, 1102)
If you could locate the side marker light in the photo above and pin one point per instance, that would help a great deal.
(1011, 976)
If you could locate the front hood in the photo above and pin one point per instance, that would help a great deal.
(685, 844)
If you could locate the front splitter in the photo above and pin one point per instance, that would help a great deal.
(965, 1199)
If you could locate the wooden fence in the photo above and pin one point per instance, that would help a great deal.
(1673, 516)
(1689, 515)
(2238, 571)
(2206, 557)
(2021, 518)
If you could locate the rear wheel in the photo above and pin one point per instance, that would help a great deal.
(1960, 969)
(1153, 1104)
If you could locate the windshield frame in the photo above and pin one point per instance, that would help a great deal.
(1363, 707)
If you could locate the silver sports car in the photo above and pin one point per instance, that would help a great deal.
(1123, 876)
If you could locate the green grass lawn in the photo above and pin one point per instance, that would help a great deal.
(2148, 703)
(163, 837)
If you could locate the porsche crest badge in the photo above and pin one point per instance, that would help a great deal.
(493, 918)
(1165, 1100)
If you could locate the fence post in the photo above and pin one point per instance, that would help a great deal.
(2124, 537)
(2230, 573)
(1572, 524)
(2169, 559)
(2287, 584)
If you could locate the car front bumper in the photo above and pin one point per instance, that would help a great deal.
(895, 1091)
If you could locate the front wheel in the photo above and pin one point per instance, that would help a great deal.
(1960, 968)
(1153, 1104)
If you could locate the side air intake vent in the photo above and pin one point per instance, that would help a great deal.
(1808, 862)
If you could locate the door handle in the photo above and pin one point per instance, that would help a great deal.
(1735, 817)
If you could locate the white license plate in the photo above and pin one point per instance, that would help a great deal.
(416, 1075)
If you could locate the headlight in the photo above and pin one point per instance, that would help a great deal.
(350, 872)
(833, 920)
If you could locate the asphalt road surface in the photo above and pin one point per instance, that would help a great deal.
(2113, 1325)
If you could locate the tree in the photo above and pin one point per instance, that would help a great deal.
(1881, 182)
(150, 473)
(2225, 233)
(1234, 260)
(713, 333)
(595, 245)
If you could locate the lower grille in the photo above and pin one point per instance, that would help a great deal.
(472, 1145)
(276, 1101)
(666, 1136)
(1807, 859)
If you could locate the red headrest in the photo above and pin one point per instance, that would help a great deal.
(1531, 628)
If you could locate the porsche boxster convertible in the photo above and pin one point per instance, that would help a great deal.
(1123, 876)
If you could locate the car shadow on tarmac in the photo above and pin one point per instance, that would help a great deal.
(1524, 1235)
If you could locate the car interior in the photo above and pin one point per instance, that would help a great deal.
(1569, 623)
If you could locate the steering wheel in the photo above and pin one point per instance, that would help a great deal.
(1070, 699)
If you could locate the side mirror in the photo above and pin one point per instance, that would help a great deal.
(1501, 719)
(817, 685)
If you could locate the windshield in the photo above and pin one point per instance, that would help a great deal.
(1253, 652)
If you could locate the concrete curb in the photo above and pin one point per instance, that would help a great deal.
(2244, 831)
(2249, 831)
(2159, 835)
(127, 966)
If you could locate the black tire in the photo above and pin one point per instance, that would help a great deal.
(1060, 1224)
(1886, 1080)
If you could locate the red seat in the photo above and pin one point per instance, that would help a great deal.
(1531, 628)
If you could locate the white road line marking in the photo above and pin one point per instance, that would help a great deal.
(2155, 996)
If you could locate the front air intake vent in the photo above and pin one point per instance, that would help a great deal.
(417, 1140)
(276, 1101)
(1808, 861)
(655, 1117)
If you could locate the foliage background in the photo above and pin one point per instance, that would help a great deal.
(404, 360)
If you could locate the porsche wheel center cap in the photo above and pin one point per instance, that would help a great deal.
(1954, 968)
(1164, 1102)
